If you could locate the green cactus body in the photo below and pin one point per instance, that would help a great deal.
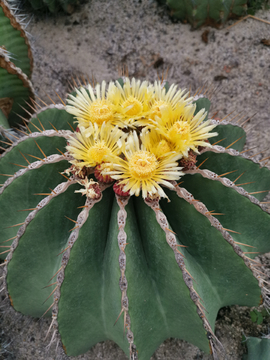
(13, 38)
(258, 349)
(139, 264)
(16, 63)
(3, 120)
(212, 12)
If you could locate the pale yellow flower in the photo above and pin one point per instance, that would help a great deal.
(93, 149)
(132, 101)
(164, 104)
(156, 143)
(91, 105)
(142, 171)
(184, 131)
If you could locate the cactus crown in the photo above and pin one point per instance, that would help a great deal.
(135, 134)
(156, 258)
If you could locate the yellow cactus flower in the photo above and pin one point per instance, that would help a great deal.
(91, 105)
(142, 171)
(93, 149)
(184, 131)
(132, 101)
(165, 103)
(156, 143)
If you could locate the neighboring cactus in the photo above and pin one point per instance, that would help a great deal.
(54, 5)
(16, 64)
(258, 349)
(210, 12)
(153, 268)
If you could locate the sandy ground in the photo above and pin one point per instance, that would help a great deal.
(99, 39)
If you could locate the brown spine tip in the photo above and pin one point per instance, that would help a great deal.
(11, 301)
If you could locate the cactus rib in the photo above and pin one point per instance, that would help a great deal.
(21, 85)
(226, 182)
(48, 133)
(188, 279)
(254, 175)
(17, 294)
(12, 43)
(81, 219)
(16, 62)
(122, 242)
(35, 165)
(200, 207)
(222, 150)
(46, 107)
(59, 189)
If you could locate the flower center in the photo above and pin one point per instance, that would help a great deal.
(100, 111)
(97, 152)
(142, 165)
(162, 148)
(160, 106)
(132, 106)
(181, 128)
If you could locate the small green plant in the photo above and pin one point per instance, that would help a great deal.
(129, 210)
(257, 316)
(211, 12)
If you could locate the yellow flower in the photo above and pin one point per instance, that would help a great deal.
(164, 104)
(142, 170)
(156, 143)
(184, 131)
(91, 105)
(132, 101)
(93, 149)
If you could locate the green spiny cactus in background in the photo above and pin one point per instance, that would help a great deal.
(258, 349)
(255, 5)
(16, 63)
(100, 260)
(211, 12)
(54, 5)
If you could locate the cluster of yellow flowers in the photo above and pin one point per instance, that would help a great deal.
(135, 133)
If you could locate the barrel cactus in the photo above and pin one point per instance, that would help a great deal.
(129, 212)
(53, 5)
(16, 64)
(211, 12)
